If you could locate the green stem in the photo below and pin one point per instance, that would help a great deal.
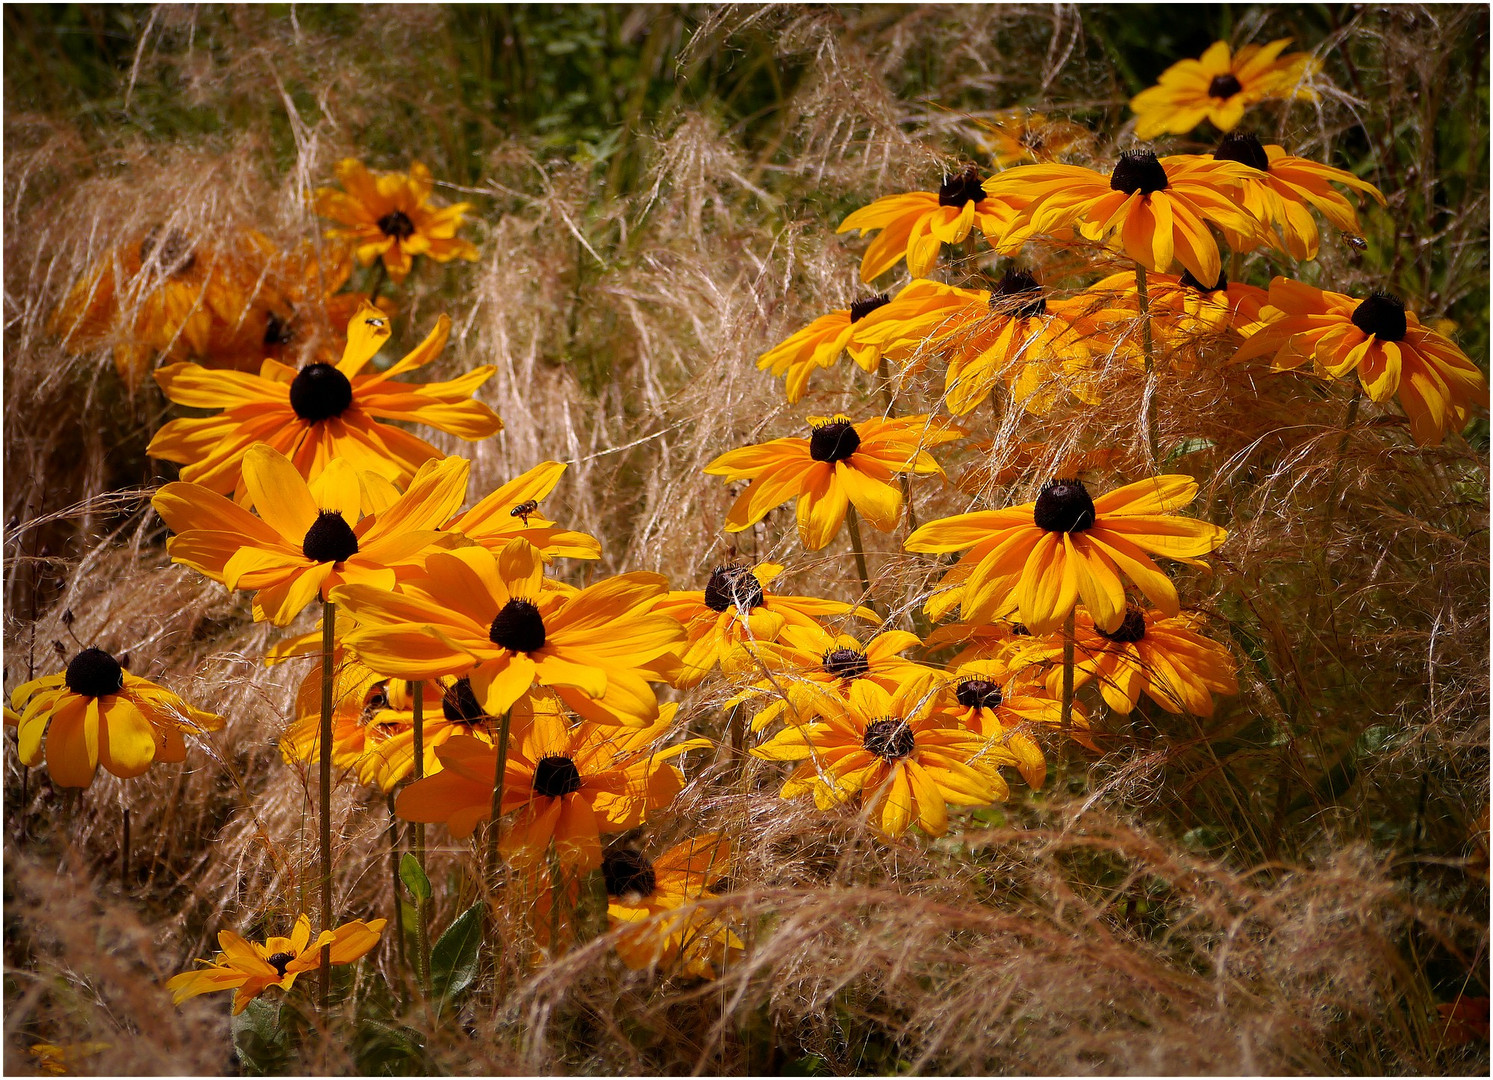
(1065, 722)
(380, 275)
(398, 894)
(494, 836)
(1143, 295)
(853, 520)
(422, 914)
(1342, 449)
(324, 747)
(124, 853)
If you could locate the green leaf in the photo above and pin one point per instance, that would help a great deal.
(414, 878)
(454, 959)
(262, 1037)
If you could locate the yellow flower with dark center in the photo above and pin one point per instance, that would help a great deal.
(249, 968)
(818, 345)
(1167, 659)
(841, 463)
(307, 538)
(389, 215)
(726, 621)
(1017, 335)
(96, 713)
(917, 223)
(655, 901)
(906, 760)
(569, 785)
(320, 412)
(1281, 192)
(490, 618)
(1186, 316)
(1000, 642)
(1389, 348)
(513, 511)
(1018, 136)
(981, 696)
(1155, 210)
(1219, 86)
(1040, 557)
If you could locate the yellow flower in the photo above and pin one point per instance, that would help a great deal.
(249, 968)
(841, 463)
(55, 1060)
(1155, 210)
(489, 617)
(905, 759)
(96, 713)
(1388, 346)
(1041, 557)
(735, 611)
(820, 344)
(1219, 86)
(390, 216)
(917, 223)
(513, 511)
(320, 412)
(982, 697)
(1018, 136)
(1185, 315)
(655, 901)
(307, 538)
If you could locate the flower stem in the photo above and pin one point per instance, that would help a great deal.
(380, 274)
(324, 747)
(853, 520)
(124, 853)
(1342, 449)
(422, 915)
(494, 835)
(1065, 722)
(398, 895)
(1143, 295)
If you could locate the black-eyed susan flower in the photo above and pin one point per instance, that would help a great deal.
(513, 511)
(1185, 315)
(652, 902)
(818, 345)
(1019, 136)
(96, 713)
(982, 696)
(249, 968)
(842, 462)
(917, 223)
(320, 412)
(307, 538)
(1000, 642)
(1167, 659)
(1155, 210)
(1282, 190)
(1041, 557)
(724, 622)
(1387, 346)
(389, 215)
(904, 759)
(489, 617)
(568, 785)
(1219, 86)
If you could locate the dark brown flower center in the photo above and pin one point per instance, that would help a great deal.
(1138, 170)
(1193, 283)
(555, 775)
(1244, 148)
(459, 703)
(518, 627)
(1224, 86)
(979, 694)
(846, 663)
(1131, 628)
(330, 538)
(890, 739)
(967, 187)
(1064, 506)
(280, 961)
(733, 585)
(1382, 315)
(397, 224)
(628, 873)
(281, 331)
(861, 308)
(94, 673)
(320, 392)
(834, 441)
(1018, 295)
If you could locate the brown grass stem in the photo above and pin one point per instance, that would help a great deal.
(324, 748)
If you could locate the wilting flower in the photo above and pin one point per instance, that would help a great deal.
(1387, 345)
(820, 344)
(569, 784)
(490, 618)
(905, 759)
(249, 968)
(1155, 210)
(320, 412)
(307, 538)
(1219, 86)
(735, 611)
(1018, 136)
(655, 900)
(389, 215)
(513, 511)
(1164, 658)
(917, 223)
(96, 713)
(840, 464)
(1040, 557)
